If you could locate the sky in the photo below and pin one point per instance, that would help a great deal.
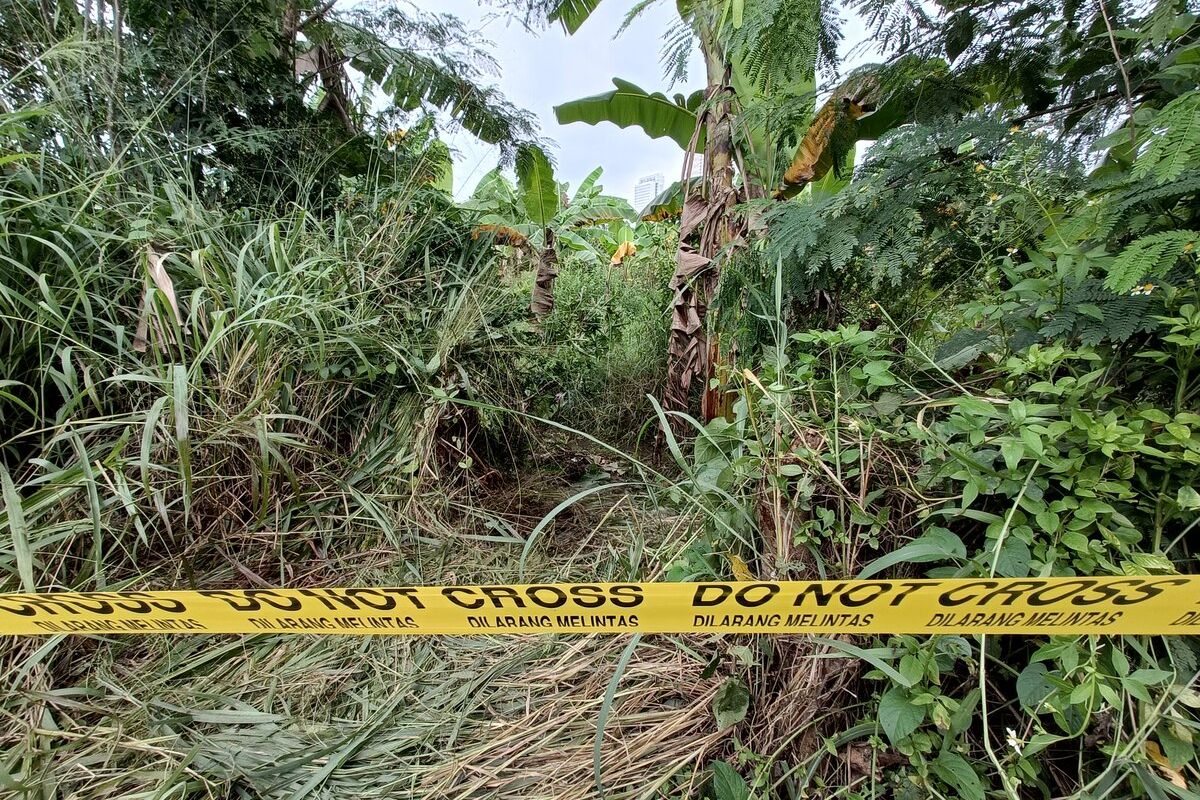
(541, 69)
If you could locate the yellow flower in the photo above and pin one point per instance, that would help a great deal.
(995, 197)
(980, 167)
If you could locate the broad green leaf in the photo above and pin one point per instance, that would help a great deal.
(1075, 541)
(1176, 750)
(1014, 558)
(1033, 687)
(1047, 521)
(1151, 677)
(898, 716)
(1119, 661)
(1012, 450)
(668, 203)
(445, 178)
(536, 184)
(628, 105)
(970, 493)
(955, 772)
(1188, 498)
(727, 784)
(911, 668)
(572, 13)
(589, 181)
(494, 189)
(1032, 441)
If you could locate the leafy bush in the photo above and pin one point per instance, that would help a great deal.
(1018, 398)
(846, 458)
(593, 360)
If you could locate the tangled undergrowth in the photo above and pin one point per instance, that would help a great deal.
(267, 349)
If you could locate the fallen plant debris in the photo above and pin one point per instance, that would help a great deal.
(931, 317)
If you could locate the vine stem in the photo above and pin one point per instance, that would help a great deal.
(1112, 40)
(1010, 789)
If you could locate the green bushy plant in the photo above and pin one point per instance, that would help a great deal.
(175, 373)
(1031, 411)
(846, 458)
(592, 361)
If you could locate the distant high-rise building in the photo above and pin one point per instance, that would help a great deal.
(647, 188)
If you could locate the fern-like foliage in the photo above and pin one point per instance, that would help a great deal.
(679, 44)
(428, 60)
(1091, 314)
(909, 233)
(1174, 143)
(1149, 257)
(965, 346)
(1050, 64)
(1127, 206)
(778, 42)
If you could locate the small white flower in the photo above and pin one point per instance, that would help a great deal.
(1012, 740)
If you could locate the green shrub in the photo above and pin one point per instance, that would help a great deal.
(592, 361)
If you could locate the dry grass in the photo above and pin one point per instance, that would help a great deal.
(804, 697)
(659, 733)
(298, 716)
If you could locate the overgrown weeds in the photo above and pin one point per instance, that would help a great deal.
(247, 340)
(312, 392)
(1031, 444)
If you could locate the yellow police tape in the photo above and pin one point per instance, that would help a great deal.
(1109, 605)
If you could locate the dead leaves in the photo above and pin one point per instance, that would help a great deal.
(686, 351)
(542, 302)
(624, 251)
(151, 317)
(705, 228)
(814, 157)
(503, 234)
(863, 760)
(1163, 764)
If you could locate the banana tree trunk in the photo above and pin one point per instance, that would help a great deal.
(705, 228)
(542, 302)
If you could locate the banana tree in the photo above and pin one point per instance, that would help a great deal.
(760, 133)
(537, 215)
(753, 50)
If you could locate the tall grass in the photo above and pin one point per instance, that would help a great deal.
(176, 374)
(199, 395)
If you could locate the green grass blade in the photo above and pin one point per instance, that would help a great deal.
(20, 533)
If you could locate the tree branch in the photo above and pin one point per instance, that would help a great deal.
(1073, 105)
(314, 16)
